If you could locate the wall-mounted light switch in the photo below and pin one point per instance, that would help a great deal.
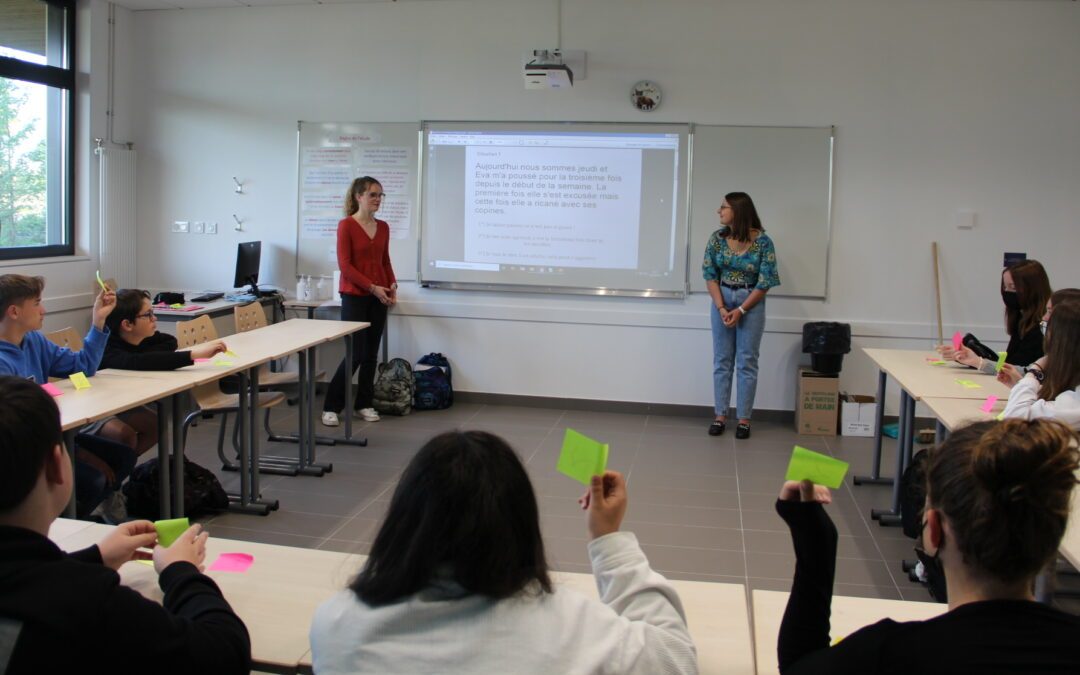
(197, 227)
(211, 228)
(180, 226)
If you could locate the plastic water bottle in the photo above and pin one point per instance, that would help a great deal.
(301, 289)
(321, 289)
(309, 290)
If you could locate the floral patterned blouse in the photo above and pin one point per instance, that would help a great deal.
(756, 266)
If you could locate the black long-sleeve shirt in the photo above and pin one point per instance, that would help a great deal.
(157, 352)
(988, 638)
(76, 617)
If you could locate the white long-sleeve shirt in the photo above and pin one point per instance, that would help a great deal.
(639, 627)
(1024, 403)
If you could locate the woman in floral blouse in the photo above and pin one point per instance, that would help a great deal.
(739, 269)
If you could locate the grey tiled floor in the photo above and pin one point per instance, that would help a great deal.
(702, 507)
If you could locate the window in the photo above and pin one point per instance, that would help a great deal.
(37, 83)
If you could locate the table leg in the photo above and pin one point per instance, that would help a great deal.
(891, 517)
(69, 442)
(309, 385)
(349, 440)
(940, 432)
(252, 426)
(164, 413)
(875, 477)
(178, 454)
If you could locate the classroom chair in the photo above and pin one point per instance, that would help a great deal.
(210, 400)
(66, 337)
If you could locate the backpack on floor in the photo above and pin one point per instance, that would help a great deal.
(434, 383)
(394, 388)
(202, 491)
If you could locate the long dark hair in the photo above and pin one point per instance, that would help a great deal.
(463, 511)
(1005, 488)
(1032, 290)
(1062, 338)
(745, 215)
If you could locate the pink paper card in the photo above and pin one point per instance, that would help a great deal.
(232, 562)
(200, 360)
(957, 340)
(51, 389)
(989, 404)
(190, 308)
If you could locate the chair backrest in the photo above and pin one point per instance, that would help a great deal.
(66, 337)
(111, 283)
(249, 317)
(195, 332)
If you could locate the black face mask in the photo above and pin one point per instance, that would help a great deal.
(1011, 299)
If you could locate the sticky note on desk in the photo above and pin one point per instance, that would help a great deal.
(968, 384)
(51, 389)
(989, 404)
(935, 362)
(816, 467)
(957, 341)
(169, 531)
(200, 360)
(229, 352)
(223, 364)
(232, 562)
(1000, 362)
(79, 380)
(582, 457)
(176, 305)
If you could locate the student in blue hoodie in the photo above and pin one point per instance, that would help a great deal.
(25, 352)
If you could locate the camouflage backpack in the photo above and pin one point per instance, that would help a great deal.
(394, 386)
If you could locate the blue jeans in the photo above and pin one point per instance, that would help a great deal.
(736, 350)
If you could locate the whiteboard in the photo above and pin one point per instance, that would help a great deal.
(787, 171)
(329, 156)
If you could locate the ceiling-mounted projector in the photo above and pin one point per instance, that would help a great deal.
(547, 71)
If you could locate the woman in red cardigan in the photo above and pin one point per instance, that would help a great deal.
(368, 287)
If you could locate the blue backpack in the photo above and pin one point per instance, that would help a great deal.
(434, 383)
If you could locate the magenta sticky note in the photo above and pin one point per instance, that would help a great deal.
(957, 340)
(51, 389)
(232, 562)
(989, 404)
(200, 360)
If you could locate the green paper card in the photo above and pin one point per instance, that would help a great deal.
(100, 282)
(582, 457)
(968, 384)
(169, 531)
(1001, 361)
(814, 466)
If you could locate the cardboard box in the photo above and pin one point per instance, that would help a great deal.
(858, 414)
(817, 403)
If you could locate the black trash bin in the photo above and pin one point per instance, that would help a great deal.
(826, 342)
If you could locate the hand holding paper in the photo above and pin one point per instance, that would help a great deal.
(816, 468)
(188, 547)
(123, 544)
(169, 531)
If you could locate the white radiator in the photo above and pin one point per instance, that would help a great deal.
(117, 252)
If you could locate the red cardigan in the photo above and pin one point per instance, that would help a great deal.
(363, 260)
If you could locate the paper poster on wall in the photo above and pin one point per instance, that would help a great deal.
(319, 226)
(390, 165)
(317, 177)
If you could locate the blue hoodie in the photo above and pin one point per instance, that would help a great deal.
(37, 358)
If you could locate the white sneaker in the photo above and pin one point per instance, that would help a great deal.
(367, 414)
(329, 419)
(114, 508)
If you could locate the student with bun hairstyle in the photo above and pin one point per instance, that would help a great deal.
(998, 496)
(1051, 386)
(457, 581)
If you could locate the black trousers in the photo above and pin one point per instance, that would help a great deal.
(365, 352)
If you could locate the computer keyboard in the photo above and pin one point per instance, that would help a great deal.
(208, 297)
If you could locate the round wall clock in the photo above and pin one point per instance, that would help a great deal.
(645, 95)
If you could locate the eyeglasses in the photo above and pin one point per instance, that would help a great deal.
(146, 315)
(724, 206)
(376, 195)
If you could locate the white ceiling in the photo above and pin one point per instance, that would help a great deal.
(142, 5)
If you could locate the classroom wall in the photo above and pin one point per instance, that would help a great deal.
(940, 106)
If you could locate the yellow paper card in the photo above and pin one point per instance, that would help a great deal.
(79, 380)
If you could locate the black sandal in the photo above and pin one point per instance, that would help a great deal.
(717, 428)
(742, 431)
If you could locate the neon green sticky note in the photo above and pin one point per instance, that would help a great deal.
(79, 380)
(936, 363)
(582, 457)
(1000, 362)
(100, 282)
(224, 364)
(148, 563)
(968, 384)
(1001, 416)
(169, 531)
(814, 466)
(229, 352)
(177, 305)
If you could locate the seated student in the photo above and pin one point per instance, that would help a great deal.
(457, 581)
(136, 344)
(67, 613)
(1051, 386)
(25, 352)
(997, 503)
(1025, 290)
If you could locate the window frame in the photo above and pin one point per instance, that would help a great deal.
(61, 78)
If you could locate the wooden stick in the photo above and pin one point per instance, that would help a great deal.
(937, 294)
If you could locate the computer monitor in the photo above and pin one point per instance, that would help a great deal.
(248, 255)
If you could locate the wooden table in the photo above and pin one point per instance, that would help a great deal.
(276, 597)
(848, 616)
(918, 380)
